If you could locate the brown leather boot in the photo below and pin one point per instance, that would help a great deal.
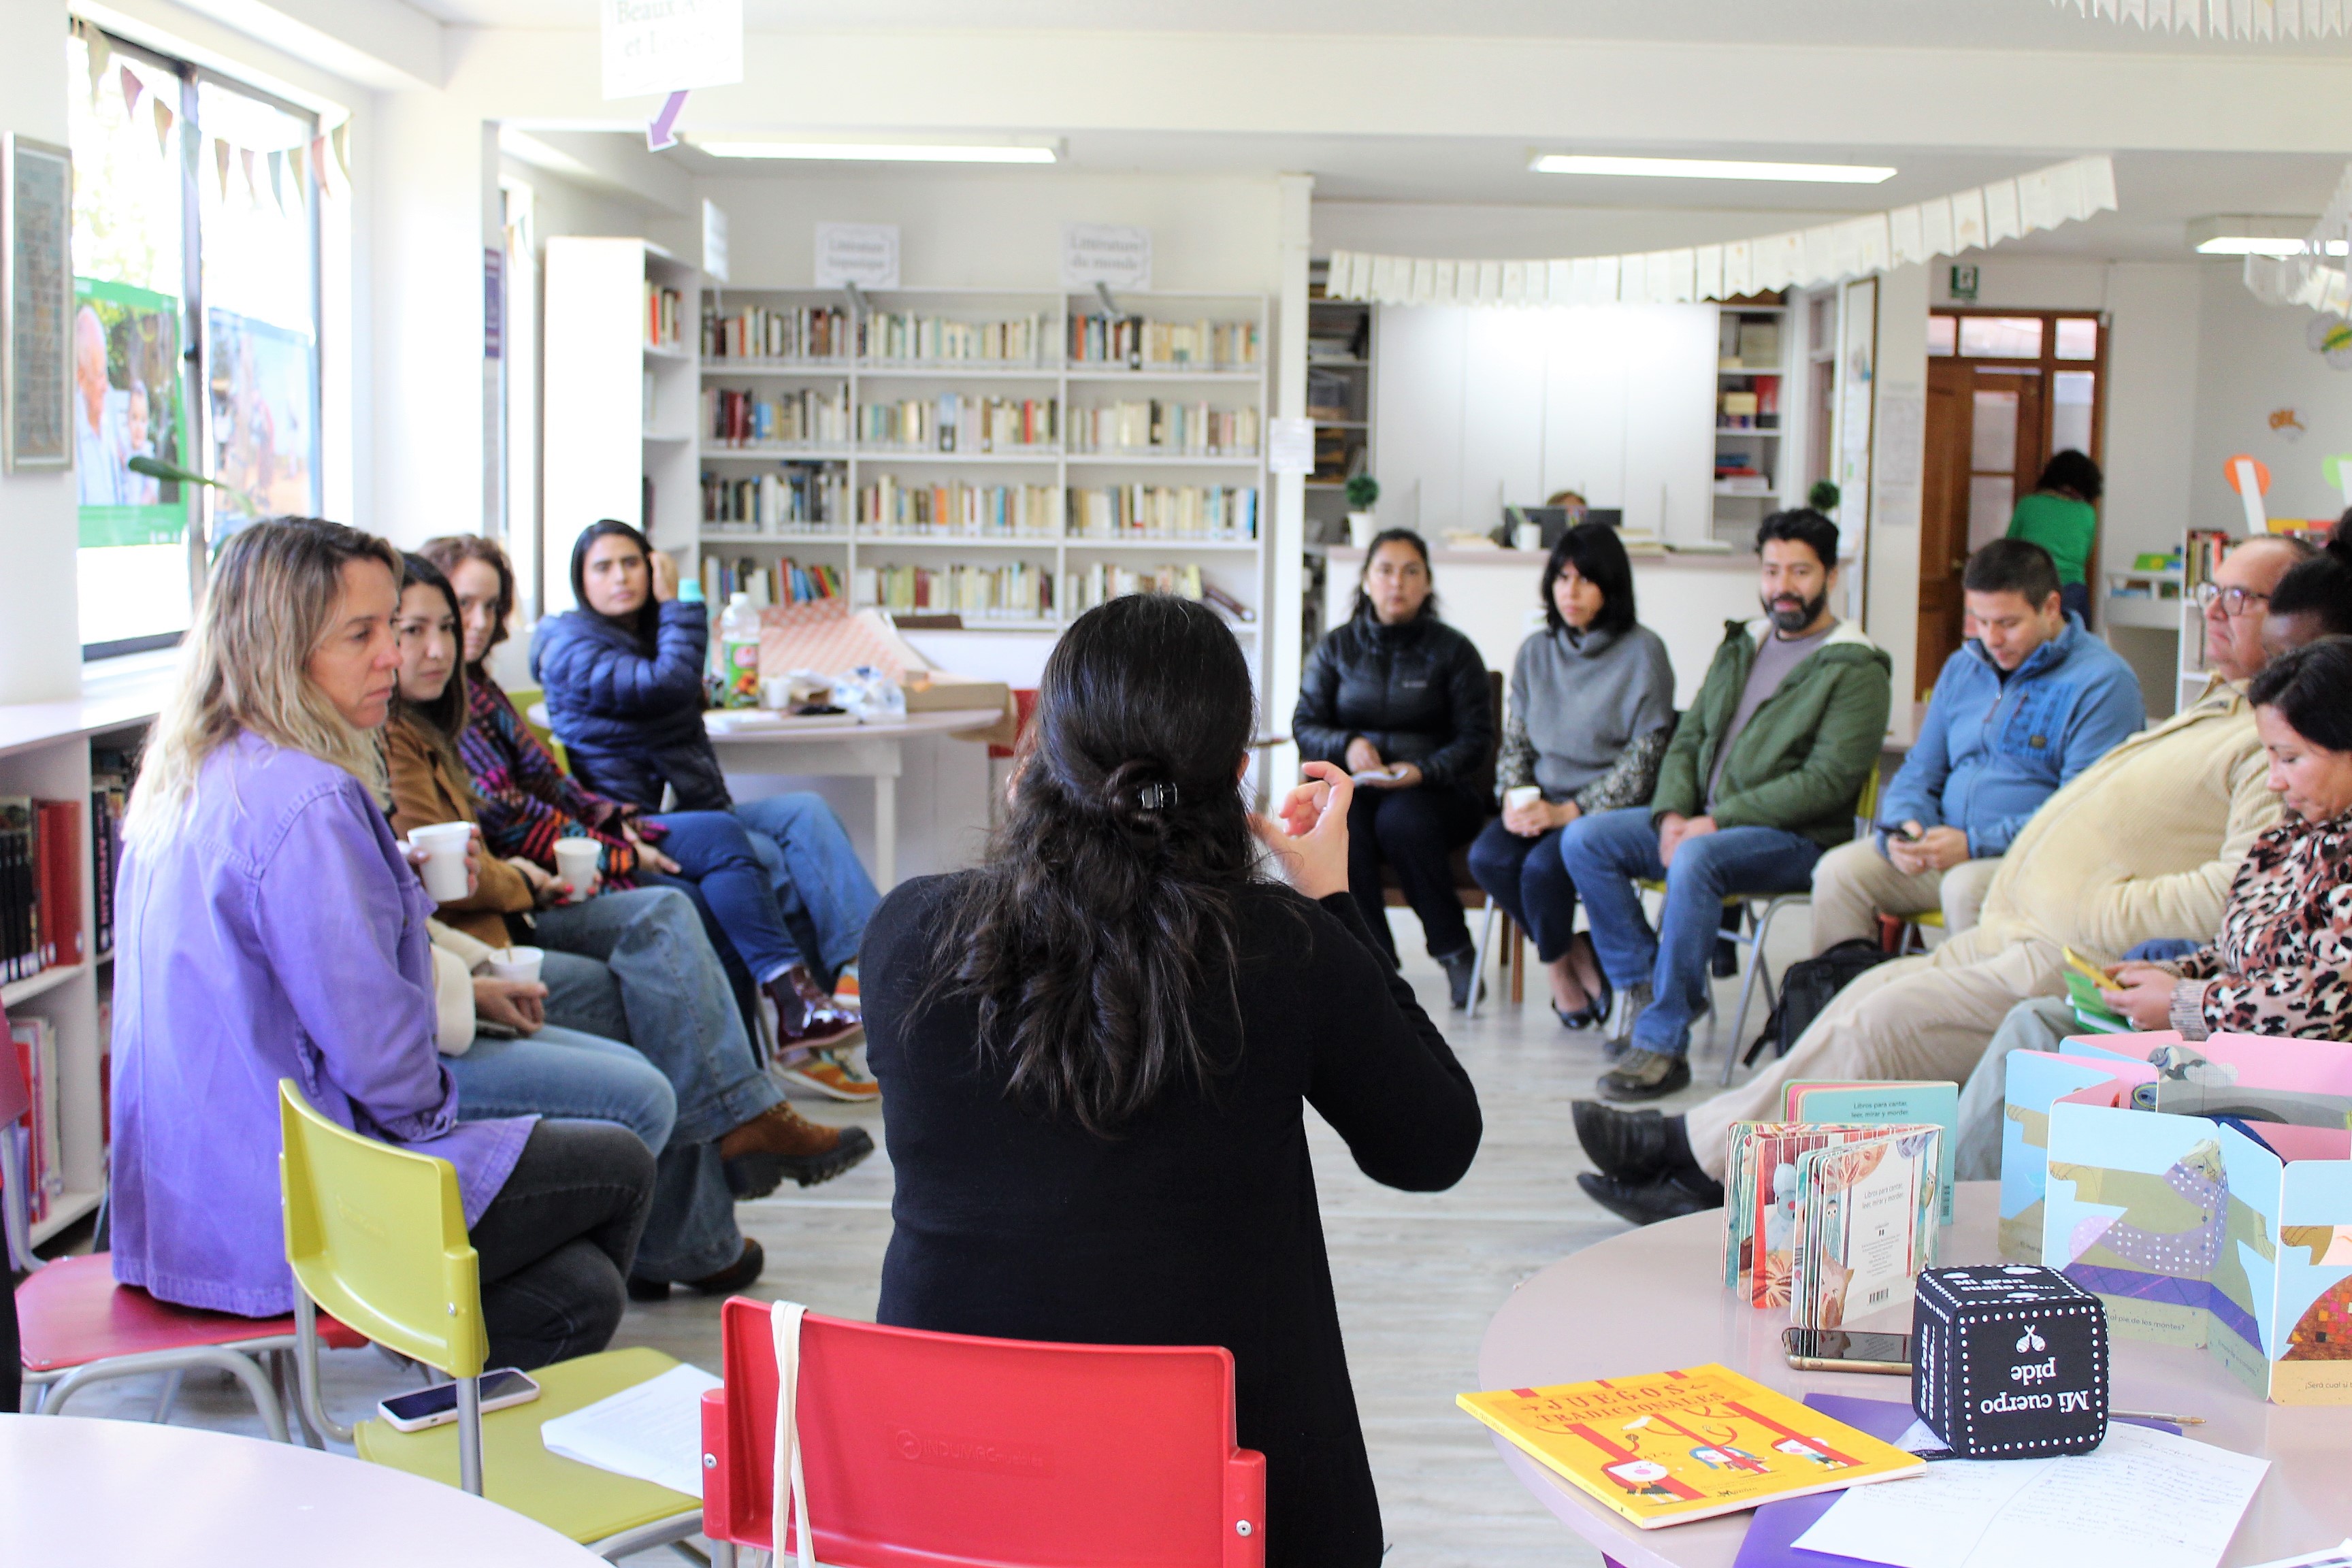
(806, 1016)
(780, 1142)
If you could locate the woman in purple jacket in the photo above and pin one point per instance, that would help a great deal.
(272, 927)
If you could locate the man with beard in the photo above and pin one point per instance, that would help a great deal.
(2144, 843)
(1760, 779)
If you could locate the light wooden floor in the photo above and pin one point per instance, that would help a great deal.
(1418, 1276)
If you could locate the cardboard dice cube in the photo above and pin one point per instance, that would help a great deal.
(2008, 1361)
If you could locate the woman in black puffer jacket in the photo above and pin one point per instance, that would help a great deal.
(1400, 699)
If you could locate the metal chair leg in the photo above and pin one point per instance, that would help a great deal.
(1478, 964)
(169, 1395)
(242, 1368)
(1756, 971)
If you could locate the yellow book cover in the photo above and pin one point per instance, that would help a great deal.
(1671, 1446)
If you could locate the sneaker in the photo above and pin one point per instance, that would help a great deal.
(1644, 1074)
(833, 1072)
(1461, 973)
(780, 1142)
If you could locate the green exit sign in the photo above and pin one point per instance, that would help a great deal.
(1963, 282)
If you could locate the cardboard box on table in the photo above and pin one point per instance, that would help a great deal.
(2193, 1234)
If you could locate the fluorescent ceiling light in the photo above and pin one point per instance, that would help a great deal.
(1708, 169)
(2259, 245)
(879, 152)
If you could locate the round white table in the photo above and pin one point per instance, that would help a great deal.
(75, 1490)
(1653, 1298)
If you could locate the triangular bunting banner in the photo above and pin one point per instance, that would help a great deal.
(341, 137)
(278, 179)
(318, 161)
(245, 161)
(132, 87)
(100, 52)
(1945, 225)
(294, 160)
(163, 125)
(220, 163)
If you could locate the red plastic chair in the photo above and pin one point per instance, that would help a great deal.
(925, 1450)
(77, 1327)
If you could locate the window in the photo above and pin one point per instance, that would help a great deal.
(195, 331)
(2000, 337)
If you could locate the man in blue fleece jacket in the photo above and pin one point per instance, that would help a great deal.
(2029, 701)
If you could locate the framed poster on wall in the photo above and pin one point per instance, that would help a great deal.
(37, 281)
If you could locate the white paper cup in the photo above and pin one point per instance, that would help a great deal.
(1527, 536)
(575, 863)
(444, 871)
(1521, 795)
(515, 964)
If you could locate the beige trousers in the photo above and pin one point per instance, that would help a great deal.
(1853, 884)
(1912, 1019)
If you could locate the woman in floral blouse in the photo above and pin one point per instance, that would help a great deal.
(2280, 964)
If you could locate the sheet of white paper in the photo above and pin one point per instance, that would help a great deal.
(2326, 1557)
(653, 1431)
(2144, 1499)
(1918, 1439)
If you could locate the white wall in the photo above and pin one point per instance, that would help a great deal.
(1476, 407)
(38, 521)
(1890, 609)
(2254, 359)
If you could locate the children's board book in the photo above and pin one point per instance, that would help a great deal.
(1672, 1447)
(1822, 1101)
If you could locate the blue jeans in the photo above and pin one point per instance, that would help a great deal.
(1526, 877)
(635, 965)
(812, 868)
(567, 1075)
(2161, 949)
(718, 856)
(1605, 855)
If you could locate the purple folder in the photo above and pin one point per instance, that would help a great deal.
(1772, 1532)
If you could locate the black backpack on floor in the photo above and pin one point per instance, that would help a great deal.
(1806, 988)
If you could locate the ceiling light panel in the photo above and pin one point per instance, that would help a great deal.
(1708, 169)
(877, 152)
(2259, 245)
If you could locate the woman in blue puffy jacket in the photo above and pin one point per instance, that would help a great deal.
(623, 674)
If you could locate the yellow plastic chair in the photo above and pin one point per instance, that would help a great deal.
(376, 1235)
(1762, 909)
(527, 702)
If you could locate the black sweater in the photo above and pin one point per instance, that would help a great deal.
(1197, 1225)
(1417, 692)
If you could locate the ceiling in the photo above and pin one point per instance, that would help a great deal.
(2037, 25)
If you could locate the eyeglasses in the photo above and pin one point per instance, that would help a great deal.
(2235, 602)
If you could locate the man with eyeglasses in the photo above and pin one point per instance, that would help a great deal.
(2143, 844)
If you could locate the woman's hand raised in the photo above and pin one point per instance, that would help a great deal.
(1310, 841)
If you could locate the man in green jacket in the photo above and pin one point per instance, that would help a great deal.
(1762, 776)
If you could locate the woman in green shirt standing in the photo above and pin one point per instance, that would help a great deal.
(2060, 517)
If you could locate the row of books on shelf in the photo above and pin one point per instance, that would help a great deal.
(785, 582)
(954, 423)
(806, 331)
(665, 317)
(110, 797)
(902, 337)
(1187, 511)
(808, 495)
(1757, 407)
(35, 1040)
(40, 885)
(890, 505)
(1749, 341)
(1020, 591)
(1139, 344)
(1150, 427)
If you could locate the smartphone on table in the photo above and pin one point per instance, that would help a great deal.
(1841, 1350)
(437, 1405)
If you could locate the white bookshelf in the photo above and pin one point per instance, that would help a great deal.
(45, 751)
(1059, 467)
(1740, 505)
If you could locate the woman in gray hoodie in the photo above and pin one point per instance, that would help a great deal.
(1591, 710)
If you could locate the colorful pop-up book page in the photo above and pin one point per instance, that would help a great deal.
(2038, 1080)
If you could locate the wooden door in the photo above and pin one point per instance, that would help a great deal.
(1987, 427)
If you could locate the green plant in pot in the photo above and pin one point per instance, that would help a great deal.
(1363, 492)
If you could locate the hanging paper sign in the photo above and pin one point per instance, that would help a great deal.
(1290, 446)
(2337, 469)
(865, 254)
(2251, 477)
(1115, 253)
(664, 46)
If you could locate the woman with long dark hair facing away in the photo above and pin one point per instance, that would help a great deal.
(272, 927)
(1399, 699)
(1097, 1049)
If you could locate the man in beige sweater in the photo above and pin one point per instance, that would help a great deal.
(2143, 844)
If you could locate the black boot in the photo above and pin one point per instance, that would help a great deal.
(1461, 968)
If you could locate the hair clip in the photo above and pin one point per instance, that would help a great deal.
(1156, 796)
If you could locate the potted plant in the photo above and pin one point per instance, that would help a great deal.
(1362, 491)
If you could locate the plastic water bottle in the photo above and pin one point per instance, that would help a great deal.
(738, 654)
